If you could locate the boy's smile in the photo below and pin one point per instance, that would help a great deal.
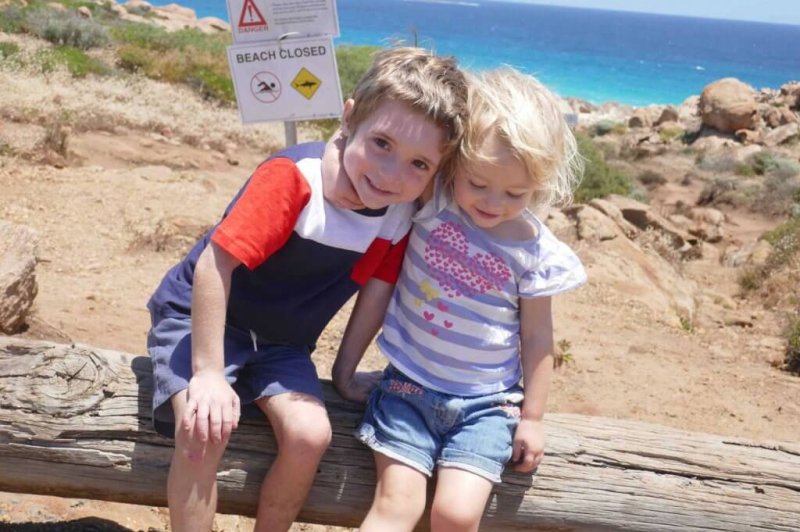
(392, 155)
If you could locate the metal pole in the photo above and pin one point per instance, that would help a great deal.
(291, 133)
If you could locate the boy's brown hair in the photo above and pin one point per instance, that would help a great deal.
(428, 84)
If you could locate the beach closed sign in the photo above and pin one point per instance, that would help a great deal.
(263, 20)
(292, 79)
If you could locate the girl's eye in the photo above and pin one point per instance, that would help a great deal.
(381, 143)
(422, 165)
(514, 195)
(476, 185)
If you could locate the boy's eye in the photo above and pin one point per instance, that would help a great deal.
(422, 165)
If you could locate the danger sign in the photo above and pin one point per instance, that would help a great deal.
(266, 20)
(251, 18)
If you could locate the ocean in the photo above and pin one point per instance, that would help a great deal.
(595, 55)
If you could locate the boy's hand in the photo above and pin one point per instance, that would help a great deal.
(528, 449)
(212, 407)
(359, 386)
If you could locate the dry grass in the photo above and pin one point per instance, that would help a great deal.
(131, 102)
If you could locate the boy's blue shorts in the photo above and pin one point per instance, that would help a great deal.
(423, 428)
(254, 369)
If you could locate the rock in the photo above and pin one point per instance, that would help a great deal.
(669, 114)
(85, 12)
(592, 225)
(643, 217)
(790, 94)
(18, 286)
(748, 136)
(614, 212)
(778, 116)
(781, 134)
(728, 105)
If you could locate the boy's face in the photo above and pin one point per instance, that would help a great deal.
(392, 155)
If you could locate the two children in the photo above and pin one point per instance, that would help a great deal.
(471, 315)
(235, 322)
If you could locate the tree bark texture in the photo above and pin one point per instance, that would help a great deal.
(75, 422)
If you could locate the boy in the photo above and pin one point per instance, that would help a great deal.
(236, 321)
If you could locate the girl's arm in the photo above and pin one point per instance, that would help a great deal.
(364, 323)
(536, 349)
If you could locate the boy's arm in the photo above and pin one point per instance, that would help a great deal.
(212, 405)
(536, 332)
(364, 323)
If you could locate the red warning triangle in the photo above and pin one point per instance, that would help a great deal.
(251, 16)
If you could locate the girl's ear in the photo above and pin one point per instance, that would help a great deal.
(348, 111)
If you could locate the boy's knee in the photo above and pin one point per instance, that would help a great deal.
(307, 438)
(197, 453)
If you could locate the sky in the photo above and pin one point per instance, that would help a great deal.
(776, 11)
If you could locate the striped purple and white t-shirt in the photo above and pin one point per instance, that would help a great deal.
(453, 321)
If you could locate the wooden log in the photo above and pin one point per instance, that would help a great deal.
(75, 422)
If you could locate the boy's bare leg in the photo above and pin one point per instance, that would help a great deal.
(399, 497)
(303, 433)
(459, 501)
(192, 481)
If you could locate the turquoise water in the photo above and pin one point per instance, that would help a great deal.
(596, 55)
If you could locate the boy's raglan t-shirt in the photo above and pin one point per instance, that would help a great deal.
(302, 258)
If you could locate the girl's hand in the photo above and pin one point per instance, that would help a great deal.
(359, 386)
(528, 447)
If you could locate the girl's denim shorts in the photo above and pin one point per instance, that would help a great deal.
(254, 369)
(424, 428)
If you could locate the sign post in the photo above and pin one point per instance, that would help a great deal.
(283, 62)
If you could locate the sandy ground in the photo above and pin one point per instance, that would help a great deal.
(121, 211)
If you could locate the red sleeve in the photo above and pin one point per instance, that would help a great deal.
(382, 261)
(264, 216)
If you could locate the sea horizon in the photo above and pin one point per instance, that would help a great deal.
(592, 54)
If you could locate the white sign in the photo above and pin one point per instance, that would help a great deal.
(294, 79)
(264, 20)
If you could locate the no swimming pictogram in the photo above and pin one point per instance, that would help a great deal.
(266, 87)
(251, 18)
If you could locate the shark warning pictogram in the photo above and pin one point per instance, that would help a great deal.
(251, 18)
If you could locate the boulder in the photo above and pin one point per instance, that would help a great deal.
(781, 134)
(18, 287)
(790, 94)
(728, 105)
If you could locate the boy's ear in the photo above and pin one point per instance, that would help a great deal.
(348, 111)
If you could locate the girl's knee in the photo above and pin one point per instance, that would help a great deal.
(454, 517)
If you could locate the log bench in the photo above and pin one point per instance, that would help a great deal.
(75, 422)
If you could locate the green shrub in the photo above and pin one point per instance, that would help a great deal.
(792, 360)
(668, 134)
(12, 19)
(745, 170)
(76, 62)
(650, 178)
(785, 241)
(352, 62)
(7, 49)
(599, 179)
(66, 29)
(605, 126)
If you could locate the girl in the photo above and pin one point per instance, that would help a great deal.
(470, 316)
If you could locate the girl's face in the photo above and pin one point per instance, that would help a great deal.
(492, 193)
